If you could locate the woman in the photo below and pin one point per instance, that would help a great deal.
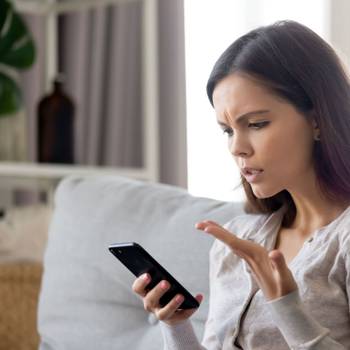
(279, 275)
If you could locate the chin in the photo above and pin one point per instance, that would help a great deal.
(263, 193)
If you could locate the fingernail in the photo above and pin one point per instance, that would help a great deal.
(145, 277)
(164, 285)
(179, 298)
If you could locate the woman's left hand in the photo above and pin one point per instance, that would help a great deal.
(269, 268)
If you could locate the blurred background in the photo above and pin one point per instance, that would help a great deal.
(115, 87)
(134, 75)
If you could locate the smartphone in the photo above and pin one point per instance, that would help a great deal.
(138, 261)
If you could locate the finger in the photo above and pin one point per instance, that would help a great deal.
(140, 284)
(171, 310)
(241, 247)
(202, 224)
(252, 253)
(199, 298)
(219, 232)
(151, 300)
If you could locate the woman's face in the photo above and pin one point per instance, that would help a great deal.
(265, 133)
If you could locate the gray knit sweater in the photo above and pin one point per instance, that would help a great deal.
(314, 317)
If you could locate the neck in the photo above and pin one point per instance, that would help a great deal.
(312, 215)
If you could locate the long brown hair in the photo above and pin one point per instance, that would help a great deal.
(299, 66)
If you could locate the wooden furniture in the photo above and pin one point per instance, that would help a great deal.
(19, 291)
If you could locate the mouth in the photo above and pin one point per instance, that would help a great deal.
(252, 175)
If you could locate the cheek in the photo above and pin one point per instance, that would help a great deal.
(287, 152)
(271, 150)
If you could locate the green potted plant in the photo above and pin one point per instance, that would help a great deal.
(17, 52)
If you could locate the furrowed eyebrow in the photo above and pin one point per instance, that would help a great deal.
(242, 118)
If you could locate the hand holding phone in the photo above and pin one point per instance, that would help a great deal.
(139, 262)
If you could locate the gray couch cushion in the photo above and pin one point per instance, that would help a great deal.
(86, 301)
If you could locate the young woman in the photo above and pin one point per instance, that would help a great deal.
(279, 275)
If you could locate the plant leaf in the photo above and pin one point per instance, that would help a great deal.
(16, 44)
(10, 96)
(22, 56)
(5, 6)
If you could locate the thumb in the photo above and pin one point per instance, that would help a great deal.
(286, 278)
(278, 261)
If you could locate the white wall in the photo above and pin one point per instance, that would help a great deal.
(210, 26)
(340, 28)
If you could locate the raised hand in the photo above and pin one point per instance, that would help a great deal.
(268, 268)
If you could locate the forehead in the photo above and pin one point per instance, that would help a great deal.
(237, 92)
(237, 95)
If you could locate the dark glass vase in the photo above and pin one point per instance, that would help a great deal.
(56, 127)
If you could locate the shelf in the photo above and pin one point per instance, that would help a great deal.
(45, 7)
(150, 91)
(57, 172)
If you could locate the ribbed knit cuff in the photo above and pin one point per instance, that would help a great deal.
(180, 336)
(297, 327)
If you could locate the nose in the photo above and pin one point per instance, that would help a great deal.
(240, 147)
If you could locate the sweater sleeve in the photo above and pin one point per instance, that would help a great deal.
(182, 336)
(300, 330)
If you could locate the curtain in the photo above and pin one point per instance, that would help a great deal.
(100, 56)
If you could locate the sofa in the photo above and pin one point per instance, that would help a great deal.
(86, 301)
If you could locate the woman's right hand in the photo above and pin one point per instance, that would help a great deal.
(169, 313)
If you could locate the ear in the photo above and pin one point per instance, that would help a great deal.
(316, 130)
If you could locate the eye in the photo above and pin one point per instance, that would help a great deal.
(255, 126)
(228, 131)
(258, 125)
